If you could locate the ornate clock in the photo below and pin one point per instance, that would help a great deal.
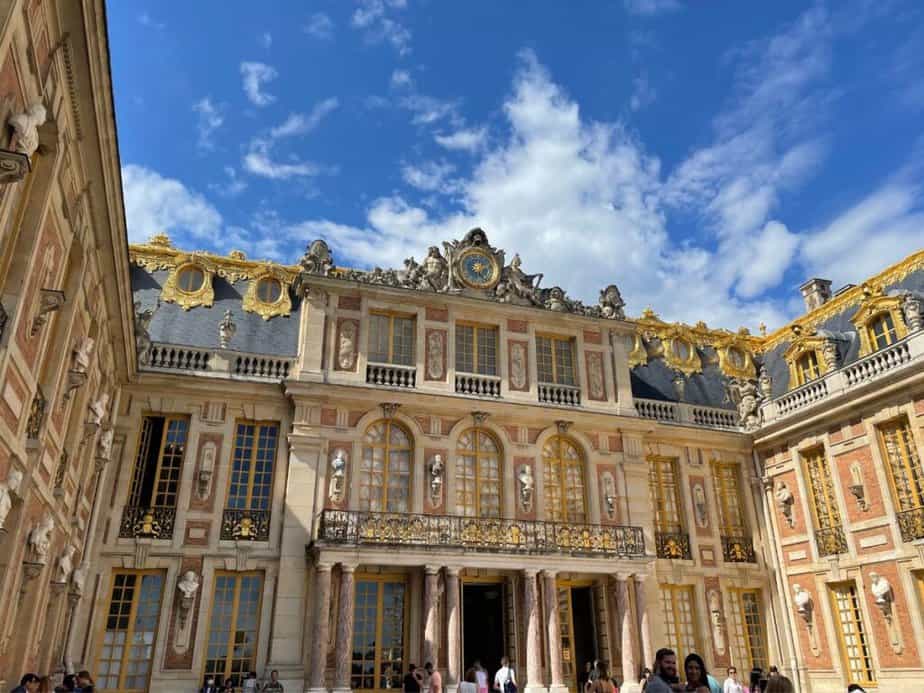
(479, 269)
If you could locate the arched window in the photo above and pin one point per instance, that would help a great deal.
(563, 480)
(385, 469)
(478, 474)
(882, 331)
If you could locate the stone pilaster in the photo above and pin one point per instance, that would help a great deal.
(644, 623)
(320, 636)
(453, 635)
(431, 614)
(533, 640)
(624, 628)
(344, 647)
(550, 594)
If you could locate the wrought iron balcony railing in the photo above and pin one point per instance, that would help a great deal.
(911, 524)
(480, 534)
(831, 541)
(738, 550)
(140, 521)
(673, 545)
(245, 525)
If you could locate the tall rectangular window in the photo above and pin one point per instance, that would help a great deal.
(555, 360)
(379, 629)
(234, 626)
(678, 607)
(665, 489)
(882, 331)
(904, 464)
(821, 489)
(156, 476)
(252, 465)
(807, 368)
(858, 662)
(476, 349)
(127, 650)
(749, 642)
(725, 477)
(391, 339)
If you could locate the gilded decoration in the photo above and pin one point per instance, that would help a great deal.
(254, 303)
(187, 298)
(805, 344)
(876, 304)
(735, 358)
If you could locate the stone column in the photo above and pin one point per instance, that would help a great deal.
(550, 593)
(453, 635)
(624, 626)
(431, 625)
(533, 641)
(644, 624)
(321, 635)
(344, 647)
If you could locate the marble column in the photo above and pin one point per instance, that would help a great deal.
(431, 615)
(321, 633)
(624, 628)
(644, 624)
(550, 594)
(453, 635)
(344, 647)
(533, 640)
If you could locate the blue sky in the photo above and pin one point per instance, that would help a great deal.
(707, 157)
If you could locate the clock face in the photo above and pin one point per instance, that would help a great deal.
(478, 269)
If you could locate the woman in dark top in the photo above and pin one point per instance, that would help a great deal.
(412, 680)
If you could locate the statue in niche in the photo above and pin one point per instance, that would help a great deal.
(881, 590)
(40, 538)
(104, 444)
(518, 366)
(25, 129)
(527, 486)
(436, 480)
(911, 308)
(743, 394)
(8, 489)
(188, 584)
(611, 303)
(317, 259)
(346, 350)
(609, 495)
(699, 505)
(99, 409)
(336, 488)
(803, 602)
(226, 330)
(435, 356)
(715, 611)
(784, 501)
(65, 565)
(764, 383)
(142, 335)
(435, 275)
(80, 357)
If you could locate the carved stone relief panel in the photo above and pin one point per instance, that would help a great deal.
(596, 382)
(518, 370)
(183, 616)
(525, 474)
(609, 498)
(434, 491)
(436, 355)
(347, 341)
(700, 505)
(717, 624)
(339, 474)
(208, 458)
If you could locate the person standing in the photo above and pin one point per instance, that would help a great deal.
(664, 678)
(273, 685)
(732, 684)
(505, 677)
(435, 678)
(27, 684)
(601, 682)
(780, 684)
(694, 669)
(412, 680)
(481, 677)
(209, 686)
(469, 684)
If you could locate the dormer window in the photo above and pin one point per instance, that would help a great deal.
(189, 279)
(268, 293)
(882, 331)
(189, 283)
(879, 320)
(268, 290)
(807, 367)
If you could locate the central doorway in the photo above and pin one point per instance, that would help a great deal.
(483, 626)
(578, 628)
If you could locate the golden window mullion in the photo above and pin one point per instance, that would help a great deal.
(232, 628)
(252, 471)
(903, 436)
(160, 459)
(130, 633)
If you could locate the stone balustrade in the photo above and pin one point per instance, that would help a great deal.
(687, 414)
(224, 363)
(562, 395)
(391, 375)
(478, 385)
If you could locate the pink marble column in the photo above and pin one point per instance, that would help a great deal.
(644, 626)
(344, 649)
(624, 625)
(533, 642)
(321, 630)
(453, 635)
(431, 615)
(550, 592)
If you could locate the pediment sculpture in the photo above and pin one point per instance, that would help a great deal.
(471, 267)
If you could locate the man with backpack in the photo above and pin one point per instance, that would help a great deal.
(505, 681)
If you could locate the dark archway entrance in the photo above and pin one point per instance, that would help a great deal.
(483, 626)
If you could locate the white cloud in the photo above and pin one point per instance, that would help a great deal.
(259, 158)
(321, 26)
(299, 123)
(154, 204)
(467, 140)
(232, 187)
(643, 94)
(431, 176)
(401, 78)
(145, 19)
(210, 119)
(255, 76)
(651, 7)
(372, 17)
(266, 39)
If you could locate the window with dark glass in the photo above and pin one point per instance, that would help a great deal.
(807, 367)
(234, 626)
(555, 360)
(190, 279)
(882, 331)
(268, 290)
(252, 465)
(391, 339)
(476, 349)
(156, 477)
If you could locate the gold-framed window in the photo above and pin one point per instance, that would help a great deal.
(879, 321)
(882, 331)
(726, 482)
(906, 476)
(750, 636)
(392, 337)
(807, 368)
(854, 641)
(385, 468)
(664, 480)
(555, 360)
(234, 626)
(563, 480)
(478, 474)
(678, 605)
(129, 632)
(380, 621)
(822, 499)
(252, 463)
(159, 462)
(476, 348)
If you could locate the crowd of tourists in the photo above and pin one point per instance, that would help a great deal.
(80, 682)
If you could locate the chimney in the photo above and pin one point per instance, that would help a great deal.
(815, 292)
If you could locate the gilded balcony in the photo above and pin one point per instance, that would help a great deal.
(480, 534)
(245, 525)
(831, 541)
(911, 524)
(142, 522)
(673, 545)
(738, 550)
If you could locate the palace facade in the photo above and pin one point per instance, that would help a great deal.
(211, 465)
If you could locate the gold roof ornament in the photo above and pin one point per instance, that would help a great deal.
(161, 240)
